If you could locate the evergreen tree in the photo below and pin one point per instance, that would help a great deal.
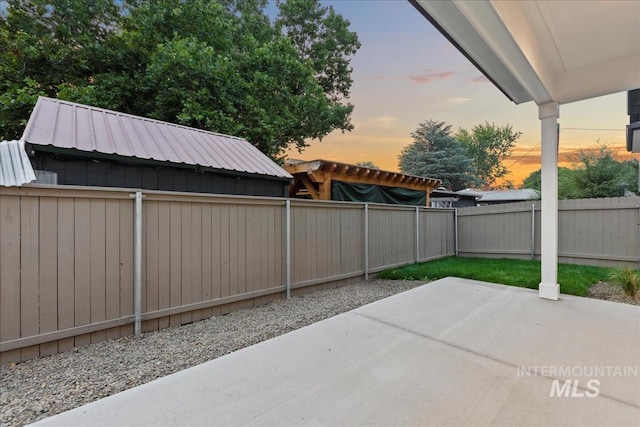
(435, 153)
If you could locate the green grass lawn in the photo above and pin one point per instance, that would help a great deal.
(573, 279)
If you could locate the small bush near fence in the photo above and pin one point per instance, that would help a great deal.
(627, 279)
(573, 279)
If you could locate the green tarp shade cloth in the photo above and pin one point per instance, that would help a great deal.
(371, 193)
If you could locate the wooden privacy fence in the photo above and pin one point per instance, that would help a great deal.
(601, 231)
(68, 265)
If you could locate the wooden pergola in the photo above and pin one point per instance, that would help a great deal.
(313, 178)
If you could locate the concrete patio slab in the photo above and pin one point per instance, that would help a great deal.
(451, 352)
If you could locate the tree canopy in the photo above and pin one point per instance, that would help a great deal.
(489, 145)
(218, 65)
(594, 173)
(435, 153)
(367, 164)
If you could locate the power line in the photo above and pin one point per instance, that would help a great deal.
(595, 129)
(523, 156)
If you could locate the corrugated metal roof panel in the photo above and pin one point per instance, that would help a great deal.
(15, 167)
(65, 124)
(510, 195)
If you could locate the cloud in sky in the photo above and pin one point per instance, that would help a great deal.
(374, 77)
(428, 77)
(457, 100)
(382, 120)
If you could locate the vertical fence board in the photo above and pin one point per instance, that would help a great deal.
(241, 258)
(175, 242)
(97, 261)
(257, 250)
(48, 272)
(297, 239)
(151, 218)
(112, 264)
(82, 267)
(335, 244)
(207, 261)
(126, 262)
(66, 269)
(164, 260)
(10, 220)
(278, 224)
(196, 258)
(187, 276)
(225, 251)
(29, 318)
(262, 274)
(216, 252)
(268, 223)
(234, 287)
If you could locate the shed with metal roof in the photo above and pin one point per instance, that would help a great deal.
(91, 146)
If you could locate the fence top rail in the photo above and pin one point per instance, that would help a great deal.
(71, 191)
(594, 208)
(496, 212)
(77, 191)
(326, 204)
(611, 203)
(168, 196)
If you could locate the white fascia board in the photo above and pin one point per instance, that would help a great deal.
(477, 30)
(495, 34)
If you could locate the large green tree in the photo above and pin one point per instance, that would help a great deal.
(435, 153)
(594, 173)
(489, 145)
(534, 181)
(216, 65)
(597, 173)
(47, 46)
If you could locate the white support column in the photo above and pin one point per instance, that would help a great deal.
(549, 288)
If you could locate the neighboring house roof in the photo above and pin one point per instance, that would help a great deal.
(68, 125)
(15, 167)
(509, 195)
(470, 192)
(503, 195)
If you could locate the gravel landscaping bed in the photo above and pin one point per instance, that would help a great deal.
(610, 292)
(39, 388)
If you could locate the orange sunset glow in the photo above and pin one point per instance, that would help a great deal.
(406, 73)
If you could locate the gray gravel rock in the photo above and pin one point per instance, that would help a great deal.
(40, 388)
(611, 292)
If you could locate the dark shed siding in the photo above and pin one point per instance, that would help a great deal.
(74, 170)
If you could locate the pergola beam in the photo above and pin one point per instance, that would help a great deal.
(316, 178)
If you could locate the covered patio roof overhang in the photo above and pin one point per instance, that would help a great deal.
(551, 53)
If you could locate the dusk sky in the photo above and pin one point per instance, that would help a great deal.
(406, 72)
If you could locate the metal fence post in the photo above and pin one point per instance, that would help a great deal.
(455, 229)
(638, 222)
(417, 233)
(287, 245)
(366, 242)
(137, 264)
(533, 231)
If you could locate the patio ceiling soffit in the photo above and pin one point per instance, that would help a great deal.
(561, 51)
